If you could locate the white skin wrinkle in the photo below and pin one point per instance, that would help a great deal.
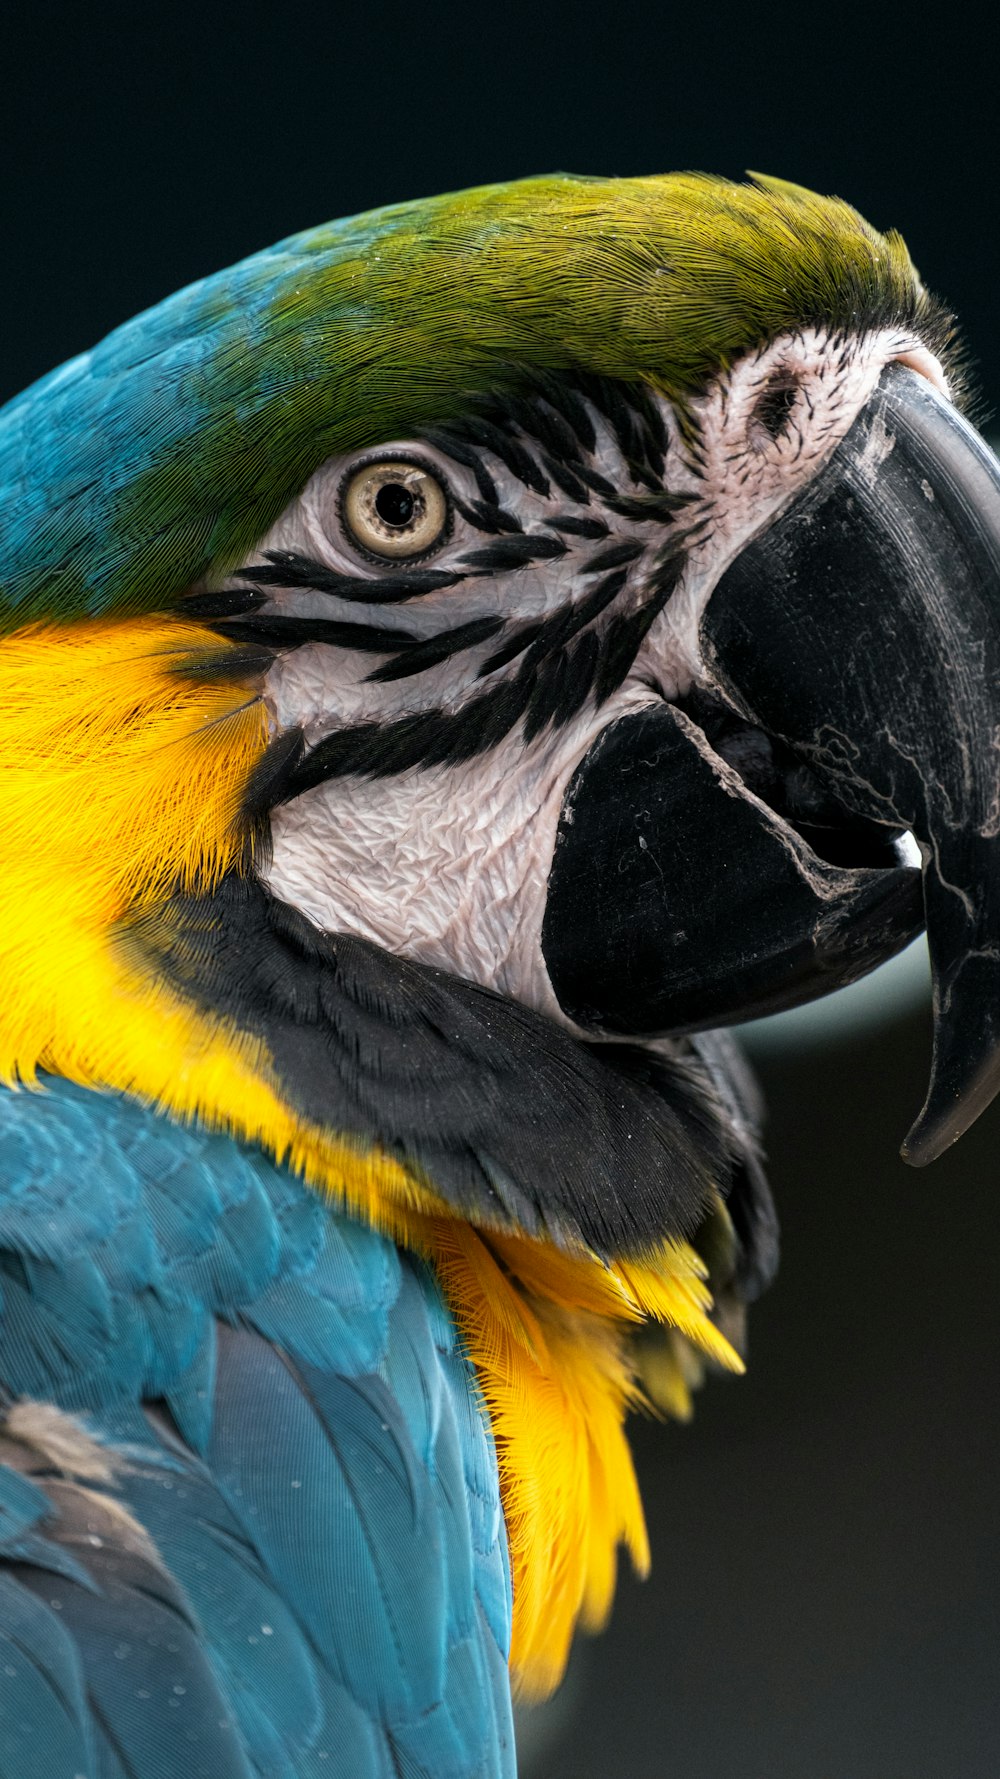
(448, 865)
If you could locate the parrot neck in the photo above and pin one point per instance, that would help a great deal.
(124, 777)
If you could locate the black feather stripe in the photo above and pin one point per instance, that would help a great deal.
(646, 477)
(578, 525)
(284, 630)
(485, 722)
(544, 636)
(546, 695)
(566, 624)
(229, 602)
(436, 737)
(622, 644)
(273, 774)
(290, 570)
(598, 483)
(567, 401)
(661, 506)
(226, 663)
(567, 481)
(613, 557)
(509, 450)
(437, 649)
(582, 661)
(487, 515)
(635, 421)
(514, 646)
(545, 686)
(432, 737)
(626, 422)
(513, 552)
(449, 443)
(544, 425)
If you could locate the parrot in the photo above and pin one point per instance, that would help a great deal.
(455, 665)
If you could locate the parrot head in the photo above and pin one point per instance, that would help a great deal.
(459, 656)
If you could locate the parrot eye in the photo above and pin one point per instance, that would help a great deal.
(396, 508)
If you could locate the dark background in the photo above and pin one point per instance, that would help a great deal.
(823, 1603)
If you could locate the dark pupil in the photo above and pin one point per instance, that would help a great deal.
(394, 504)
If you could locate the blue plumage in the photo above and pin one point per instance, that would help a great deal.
(87, 451)
(289, 1560)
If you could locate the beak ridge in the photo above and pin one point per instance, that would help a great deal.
(863, 630)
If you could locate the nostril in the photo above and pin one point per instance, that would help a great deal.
(772, 410)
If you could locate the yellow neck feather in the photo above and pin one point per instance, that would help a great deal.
(121, 777)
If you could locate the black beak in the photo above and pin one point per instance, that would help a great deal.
(851, 694)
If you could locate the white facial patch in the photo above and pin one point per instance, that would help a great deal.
(321, 689)
(447, 863)
(760, 434)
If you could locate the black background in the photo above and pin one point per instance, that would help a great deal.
(824, 1599)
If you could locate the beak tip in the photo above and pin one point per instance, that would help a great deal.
(956, 1098)
(924, 1142)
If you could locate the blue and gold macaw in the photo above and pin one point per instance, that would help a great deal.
(451, 662)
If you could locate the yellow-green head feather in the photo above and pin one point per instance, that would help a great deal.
(162, 455)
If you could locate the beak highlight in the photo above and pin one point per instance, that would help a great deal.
(863, 631)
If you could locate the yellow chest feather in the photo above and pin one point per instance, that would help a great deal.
(122, 778)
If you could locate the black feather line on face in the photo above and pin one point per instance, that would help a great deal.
(515, 645)
(546, 427)
(428, 738)
(436, 649)
(557, 433)
(513, 552)
(567, 401)
(597, 483)
(286, 631)
(554, 632)
(635, 422)
(556, 419)
(508, 450)
(269, 781)
(451, 444)
(562, 665)
(663, 507)
(487, 516)
(567, 481)
(547, 688)
(250, 662)
(230, 602)
(290, 571)
(578, 525)
(613, 557)
(624, 639)
(547, 695)
(582, 663)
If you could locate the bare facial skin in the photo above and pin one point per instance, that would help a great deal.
(448, 864)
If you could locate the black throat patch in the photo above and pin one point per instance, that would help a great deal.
(495, 1107)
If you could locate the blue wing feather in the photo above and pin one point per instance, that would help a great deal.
(43, 1718)
(300, 1527)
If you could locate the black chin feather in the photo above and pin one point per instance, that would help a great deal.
(499, 1110)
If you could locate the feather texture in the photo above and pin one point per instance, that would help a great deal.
(215, 407)
(291, 1560)
(252, 1505)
